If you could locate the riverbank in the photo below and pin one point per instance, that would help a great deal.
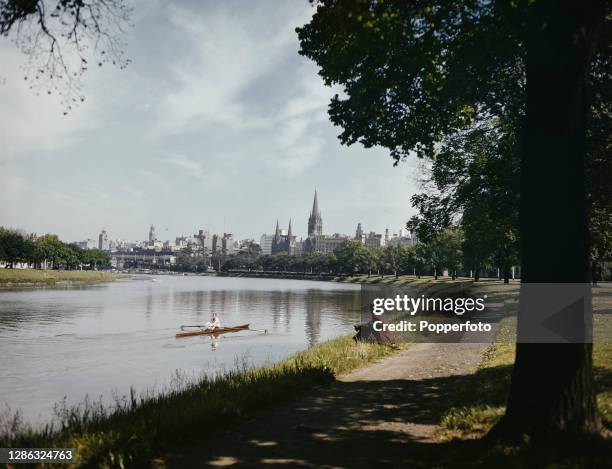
(140, 426)
(355, 279)
(278, 275)
(35, 277)
(426, 406)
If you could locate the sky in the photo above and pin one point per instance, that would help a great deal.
(216, 124)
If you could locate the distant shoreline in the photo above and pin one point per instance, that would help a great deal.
(21, 278)
(282, 275)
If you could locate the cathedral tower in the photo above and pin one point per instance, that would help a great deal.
(315, 222)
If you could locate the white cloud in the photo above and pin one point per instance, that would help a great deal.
(28, 122)
(217, 123)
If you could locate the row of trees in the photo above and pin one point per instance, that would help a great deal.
(47, 251)
(510, 104)
(449, 249)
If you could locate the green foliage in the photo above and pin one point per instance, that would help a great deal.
(18, 247)
(447, 81)
(415, 72)
(352, 257)
(479, 402)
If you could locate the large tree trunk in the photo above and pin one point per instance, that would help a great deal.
(552, 384)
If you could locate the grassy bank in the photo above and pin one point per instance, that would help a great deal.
(410, 279)
(9, 277)
(128, 434)
(478, 401)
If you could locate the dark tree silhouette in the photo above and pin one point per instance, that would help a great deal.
(417, 74)
(552, 384)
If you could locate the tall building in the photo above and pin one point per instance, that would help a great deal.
(315, 221)
(266, 244)
(227, 243)
(359, 234)
(317, 242)
(103, 241)
(151, 235)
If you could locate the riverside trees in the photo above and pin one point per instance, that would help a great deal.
(443, 251)
(416, 76)
(17, 247)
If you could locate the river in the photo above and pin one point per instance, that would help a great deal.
(100, 340)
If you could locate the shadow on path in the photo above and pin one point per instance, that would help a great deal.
(384, 415)
(387, 423)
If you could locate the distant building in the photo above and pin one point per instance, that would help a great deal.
(315, 221)
(266, 244)
(227, 243)
(152, 236)
(404, 238)
(317, 242)
(88, 244)
(374, 240)
(141, 259)
(324, 244)
(282, 242)
(103, 241)
(359, 235)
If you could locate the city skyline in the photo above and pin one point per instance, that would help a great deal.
(153, 230)
(184, 138)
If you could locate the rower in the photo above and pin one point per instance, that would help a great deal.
(214, 323)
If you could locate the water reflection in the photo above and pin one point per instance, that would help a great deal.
(94, 340)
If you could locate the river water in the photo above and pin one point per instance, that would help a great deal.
(100, 340)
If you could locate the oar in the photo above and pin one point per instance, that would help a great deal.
(265, 331)
(195, 325)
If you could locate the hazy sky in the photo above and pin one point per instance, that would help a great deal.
(217, 124)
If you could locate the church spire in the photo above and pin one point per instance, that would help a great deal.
(289, 231)
(315, 206)
(315, 221)
(277, 231)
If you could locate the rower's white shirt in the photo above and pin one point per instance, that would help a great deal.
(215, 323)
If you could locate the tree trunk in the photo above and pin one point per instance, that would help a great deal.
(507, 274)
(552, 384)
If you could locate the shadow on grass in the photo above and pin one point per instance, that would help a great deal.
(381, 424)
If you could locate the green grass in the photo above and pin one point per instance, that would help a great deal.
(390, 279)
(480, 399)
(128, 434)
(51, 277)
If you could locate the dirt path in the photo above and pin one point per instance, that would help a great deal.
(384, 415)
